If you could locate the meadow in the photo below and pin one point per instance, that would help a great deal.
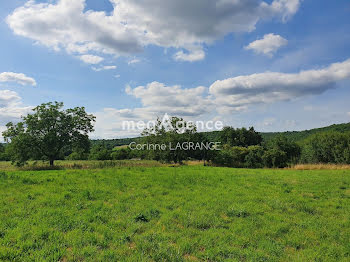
(181, 213)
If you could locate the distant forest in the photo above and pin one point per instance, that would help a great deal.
(293, 136)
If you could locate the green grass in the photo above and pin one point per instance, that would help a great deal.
(189, 213)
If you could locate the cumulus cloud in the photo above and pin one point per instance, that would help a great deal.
(134, 24)
(11, 108)
(160, 99)
(65, 25)
(91, 59)
(8, 97)
(19, 78)
(268, 45)
(222, 98)
(270, 87)
(157, 99)
(109, 122)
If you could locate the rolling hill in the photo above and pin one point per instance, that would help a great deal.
(294, 136)
(301, 135)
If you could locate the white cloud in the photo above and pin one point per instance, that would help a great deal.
(287, 8)
(109, 122)
(91, 59)
(160, 99)
(18, 78)
(222, 98)
(134, 61)
(270, 87)
(109, 67)
(157, 99)
(8, 97)
(117, 76)
(268, 45)
(11, 108)
(134, 24)
(195, 54)
(348, 113)
(98, 69)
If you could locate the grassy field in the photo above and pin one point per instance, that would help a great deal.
(188, 213)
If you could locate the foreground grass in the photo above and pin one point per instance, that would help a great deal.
(188, 213)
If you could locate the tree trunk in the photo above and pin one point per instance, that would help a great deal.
(51, 162)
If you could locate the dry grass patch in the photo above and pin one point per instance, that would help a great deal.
(320, 167)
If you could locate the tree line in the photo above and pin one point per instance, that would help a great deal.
(51, 133)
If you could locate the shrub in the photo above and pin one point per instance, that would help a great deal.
(100, 152)
(78, 156)
(275, 158)
(291, 149)
(121, 154)
(330, 147)
(254, 158)
(231, 156)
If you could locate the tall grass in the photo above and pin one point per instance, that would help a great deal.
(320, 167)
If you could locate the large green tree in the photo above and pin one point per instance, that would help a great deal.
(48, 132)
(172, 132)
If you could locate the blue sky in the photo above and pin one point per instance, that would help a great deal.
(186, 58)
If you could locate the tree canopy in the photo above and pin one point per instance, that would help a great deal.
(240, 136)
(48, 132)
